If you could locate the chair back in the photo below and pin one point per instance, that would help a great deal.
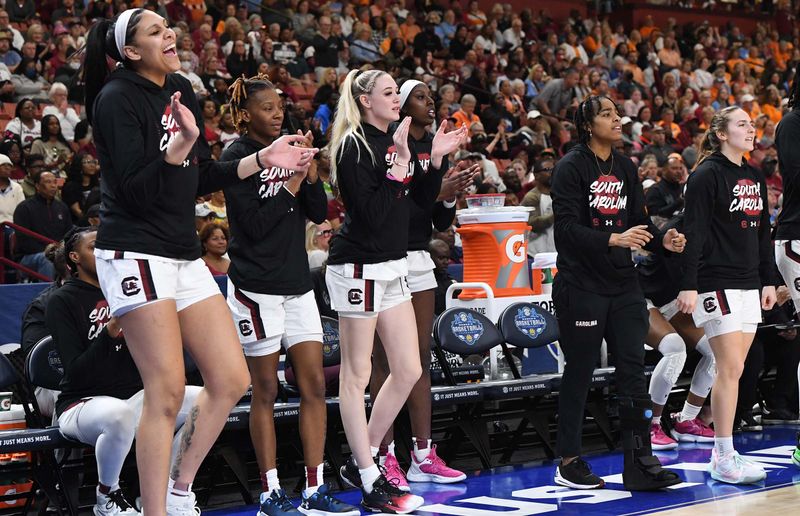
(331, 353)
(43, 366)
(465, 332)
(528, 325)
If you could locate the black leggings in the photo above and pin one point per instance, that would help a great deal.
(584, 320)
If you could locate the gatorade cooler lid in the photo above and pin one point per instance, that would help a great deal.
(17, 413)
(490, 215)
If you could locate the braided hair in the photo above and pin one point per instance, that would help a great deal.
(71, 241)
(241, 90)
(585, 115)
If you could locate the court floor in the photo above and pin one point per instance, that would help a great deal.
(529, 489)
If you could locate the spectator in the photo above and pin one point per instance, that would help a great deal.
(336, 211)
(440, 253)
(178, 12)
(28, 82)
(24, 127)
(20, 11)
(363, 49)
(466, 115)
(303, 22)
(45, 215)
(214, 240)
(209, 110)
(60, 55)
(541, 219)
(664, 200)
(558, 94)
(326, 46)
(34, 163)
(648, 168)
(227, 131)
(53, 146)
(18, 40)
(66, 115)
(187, 71)
(324, 114)
(11, 194)
(216, 203)
(11, 148)
(327, 84)
(8, 56)
(659, 146)
(82, 187)
(446, 30)
(318, 238)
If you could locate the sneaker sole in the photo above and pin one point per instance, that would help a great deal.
(745, 480)
(690, 438)
(391, 510)
(796, 459)
(780, 421)
(664, 447)
(317, 512)
(437, 479)
(558, 479)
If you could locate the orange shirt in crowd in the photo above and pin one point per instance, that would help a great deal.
(772, 112)
(463, 119)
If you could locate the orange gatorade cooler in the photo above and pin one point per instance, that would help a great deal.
(495, 243)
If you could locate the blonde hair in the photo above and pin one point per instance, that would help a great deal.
(711, 142)
(347, 120)
(311, 234)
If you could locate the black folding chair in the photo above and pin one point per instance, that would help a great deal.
(41, 443)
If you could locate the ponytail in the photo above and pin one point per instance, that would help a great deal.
(101, 45)
(711, 142)
(347, 119)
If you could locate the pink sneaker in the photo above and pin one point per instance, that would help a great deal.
(659, 440)
(433, 469)
(692, 431)
(394, 474)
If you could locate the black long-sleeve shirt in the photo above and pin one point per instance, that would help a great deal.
(267, 250)
(427, 212)
(664, 199)
(48, 218)
(147, 203)
(659, 273)
(95, 364)
(726, 223)
(787, 137)
(588, 207)
(375, 227)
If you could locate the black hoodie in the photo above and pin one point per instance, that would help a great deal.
(726, 223)
(375, 227)
(659, 274)
(787, 137)
(420, 229)
(94, 363)
(588, 206)
(148, 204)
(267, 250)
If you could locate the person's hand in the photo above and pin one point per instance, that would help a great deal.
(444, 143)
(312, 176)
(768, 297)
(687, 299)
(184, 117)
(296, 181)
(284, 154)
(457, 180)
(674, 241)
(783, 295)
(113, 328)
(635, 238)
(400, 138)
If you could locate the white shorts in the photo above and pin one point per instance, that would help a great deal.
(130, 280)
(727, 311)
(787, 256)
(264, 322)
(420, 271)
(668, 311)
(366, 290)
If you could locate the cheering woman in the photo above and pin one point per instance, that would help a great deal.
(148, 256)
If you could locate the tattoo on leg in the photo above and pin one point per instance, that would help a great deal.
(186, 440)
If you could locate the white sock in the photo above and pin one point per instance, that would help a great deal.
(656, 420)
(689, 412)
(369, 476)
(421, 454)
(310, 490)
(390, 449)
(172, 490)
(374, 451)
(724, 446)
(273, 484)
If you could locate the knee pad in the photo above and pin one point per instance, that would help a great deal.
(706, 370)
(674, 351)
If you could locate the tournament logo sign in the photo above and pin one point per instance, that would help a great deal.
(330, 338)
(54, 361)
(466, 328)
(529, 322)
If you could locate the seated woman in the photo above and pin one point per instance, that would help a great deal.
(214, 239)
(318, 239)
(101, 392)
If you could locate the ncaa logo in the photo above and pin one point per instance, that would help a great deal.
(515, 248)
(355, 296)
(130, 286)
(245, 328)
(709, 305)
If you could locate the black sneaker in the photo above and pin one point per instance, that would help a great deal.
(746, 422)
(779, 416)
(386, 497)
(577, 475)
(349, 473)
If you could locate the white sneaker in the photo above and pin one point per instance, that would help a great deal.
(734, 469)
(113, 504)
(182, 505)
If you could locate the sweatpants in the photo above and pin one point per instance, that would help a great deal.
(584, 320)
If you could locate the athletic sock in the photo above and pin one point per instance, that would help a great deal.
(173, 490)
(689, 412)
(272, 482)
(368, 477)
(724, 446)
(656, 420)
(422, 448)
(313, 480)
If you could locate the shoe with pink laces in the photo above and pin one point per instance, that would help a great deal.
(691, 431)
(394, 474)
(433, 469)
(660, 440)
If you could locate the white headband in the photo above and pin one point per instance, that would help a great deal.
(405, 90)
(120, 28)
